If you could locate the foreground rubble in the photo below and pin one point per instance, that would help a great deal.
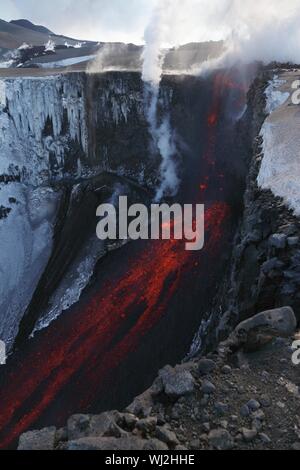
(243, 396)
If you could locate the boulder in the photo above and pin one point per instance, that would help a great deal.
(278, 241)
(167, 436)
(206, 366)
(142, 405)
(38, 440)
(208, 388)
(220, 439)
(80, 426)
(256, 332)
(147, 425)
(177, 382)
(253, 405)
(249, 434)
(105, 425)
(128, 420)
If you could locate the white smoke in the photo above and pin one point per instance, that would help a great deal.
(267, 30)
(99, 65)
(157, 34)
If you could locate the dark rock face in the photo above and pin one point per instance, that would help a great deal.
(266, 257)
(264, 271)
(119, 139)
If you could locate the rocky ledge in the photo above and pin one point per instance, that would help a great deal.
(245, 395)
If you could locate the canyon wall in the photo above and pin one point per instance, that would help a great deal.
(264, 269)
(57, 132)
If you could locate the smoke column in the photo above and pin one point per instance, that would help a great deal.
(156, 35)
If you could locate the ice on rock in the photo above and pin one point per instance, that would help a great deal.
(275, 98)
(26, 106)
(116, 101)
(2, 95)
(25, 247)
(280, 167)
(40, 118)
(31, 103)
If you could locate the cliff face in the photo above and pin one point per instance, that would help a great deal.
(266, 258)
(120, 311)
(264, 270)
(245, 394)
(66, 125)
(65, 130)
(57, 132)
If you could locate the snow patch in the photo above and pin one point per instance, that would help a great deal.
(275, 98)
(75, 281)
(50, 46)
(6, 64)
(23, 47)
(280, 167)
(25, 247)
(66, 62)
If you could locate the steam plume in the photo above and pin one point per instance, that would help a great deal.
(156, 34)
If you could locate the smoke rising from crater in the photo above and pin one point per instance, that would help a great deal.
(266, 31)
(156, 34)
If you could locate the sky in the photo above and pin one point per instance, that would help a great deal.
(255, 23)
(101, 20)
(110, 20)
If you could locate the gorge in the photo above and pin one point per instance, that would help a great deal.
(94, 322)
(96, 314)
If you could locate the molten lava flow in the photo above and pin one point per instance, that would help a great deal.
(89, 339)
(223, 83)
(62, 369)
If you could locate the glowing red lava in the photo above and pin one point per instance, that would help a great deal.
(82, 347)
(85, 339)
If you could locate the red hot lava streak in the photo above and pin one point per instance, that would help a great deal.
(84, 345)
(83, 340)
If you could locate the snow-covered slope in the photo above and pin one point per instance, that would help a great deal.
(280, 168)
(25, 246)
